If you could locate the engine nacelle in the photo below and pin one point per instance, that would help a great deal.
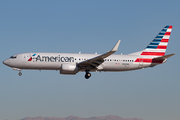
(69, 69)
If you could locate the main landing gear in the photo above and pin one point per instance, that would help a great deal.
(88, 74)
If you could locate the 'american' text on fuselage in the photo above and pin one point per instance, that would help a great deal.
(54, 59)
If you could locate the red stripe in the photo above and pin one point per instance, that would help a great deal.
(167, 33)
(170, 27)
(161, 47)
(148, 60)
(153, 53)
(143, 60)
(164, 40)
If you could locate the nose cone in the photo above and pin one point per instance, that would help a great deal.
(6, 62)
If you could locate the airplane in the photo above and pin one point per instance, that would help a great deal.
(72, 63)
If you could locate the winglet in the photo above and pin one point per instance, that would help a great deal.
(116, 46)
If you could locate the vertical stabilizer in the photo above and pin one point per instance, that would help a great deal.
(158, 46)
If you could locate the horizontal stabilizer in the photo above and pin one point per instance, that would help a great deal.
(164, 57)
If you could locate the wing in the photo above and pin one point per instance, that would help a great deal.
(93, 63)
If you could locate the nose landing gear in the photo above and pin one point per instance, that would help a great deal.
(88, 74)
(17, 69)
(20, 73)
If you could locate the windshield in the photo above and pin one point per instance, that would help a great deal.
(13, 57)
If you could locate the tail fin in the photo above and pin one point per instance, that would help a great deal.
(155, 51)
(158, 46)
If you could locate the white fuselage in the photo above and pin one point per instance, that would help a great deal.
(53, 61)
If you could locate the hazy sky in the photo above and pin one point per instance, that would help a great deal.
(88, 26)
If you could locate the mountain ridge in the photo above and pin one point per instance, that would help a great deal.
(108, 117)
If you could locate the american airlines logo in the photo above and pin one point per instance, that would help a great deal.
(51, 58)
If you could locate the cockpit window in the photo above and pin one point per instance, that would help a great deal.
(13, 57)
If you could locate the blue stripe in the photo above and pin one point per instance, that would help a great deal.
(154, 47)
(157, 40)
(154, 43)
(167, 26)
(159, 37)
(161, 33)
(163, 30)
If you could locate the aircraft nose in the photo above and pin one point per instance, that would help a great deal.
(6, 62)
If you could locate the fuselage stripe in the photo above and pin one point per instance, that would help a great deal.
(153, 53)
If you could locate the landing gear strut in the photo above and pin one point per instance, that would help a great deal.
(17, 69)
(88, 74)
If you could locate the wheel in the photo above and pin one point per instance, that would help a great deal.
(20, 73)
(87, 75)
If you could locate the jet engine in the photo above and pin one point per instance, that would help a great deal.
(69, 69)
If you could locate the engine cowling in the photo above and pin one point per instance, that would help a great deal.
(69, 69)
